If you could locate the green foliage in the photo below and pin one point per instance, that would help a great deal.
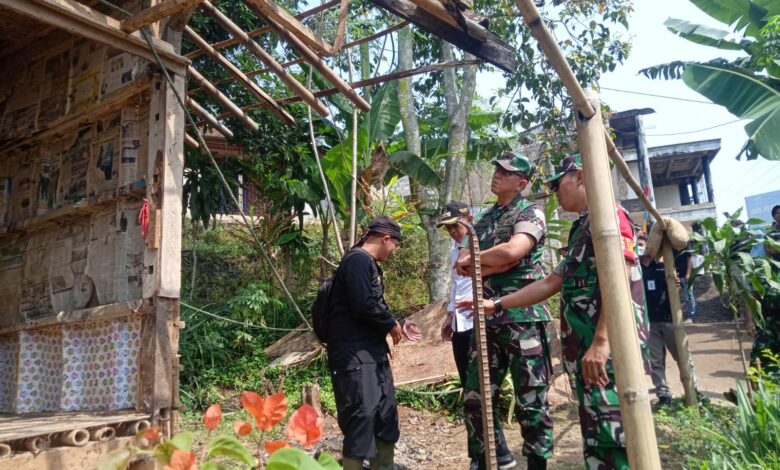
(679, 429)
(446, 398)
(755, 28)
(406, 272)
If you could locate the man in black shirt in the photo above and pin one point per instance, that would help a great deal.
(659, 312)
(683, 262)
(357, 349)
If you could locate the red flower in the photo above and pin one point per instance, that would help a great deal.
(152, 435)
(268, 411)
(242, 428)
(212, 417)
(305, 426)
(273, 446)
(182, 460)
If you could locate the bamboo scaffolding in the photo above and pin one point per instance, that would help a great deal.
(615, 294)
(684, 363)
(240, 76)
(260, 31)
(223, 100)
(208, 117)
(315, 61)
(261, 54)
(641, 444)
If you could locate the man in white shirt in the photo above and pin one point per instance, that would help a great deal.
(459, 324)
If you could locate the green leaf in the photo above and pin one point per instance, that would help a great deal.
(719, 245)
(739, 13)
(182, 440)
(285, 238)
(710, 225)
(414, 167)
(328, 462)
(230, 447)
(717, 278)
(745, 96)
(705, 36)
(385, 112)
(116, 460)
(210, 466)
(292, 459)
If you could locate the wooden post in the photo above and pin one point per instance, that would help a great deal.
(616, 297)
(310, 395)
(680, 338)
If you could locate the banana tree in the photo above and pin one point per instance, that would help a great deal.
(749, 87)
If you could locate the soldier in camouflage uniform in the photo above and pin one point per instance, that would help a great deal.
(583, 328)
(767, 335)
(511, 236)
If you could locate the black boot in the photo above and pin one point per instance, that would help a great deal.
(536, 462)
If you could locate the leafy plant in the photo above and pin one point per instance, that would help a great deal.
(749, 87)
(304, 427)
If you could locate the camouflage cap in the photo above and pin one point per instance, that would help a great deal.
(515, 163)
(570, 163)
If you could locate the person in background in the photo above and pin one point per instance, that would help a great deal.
(360, 321)
(458, 326)
(773, 231)
(683, 262)
(659, 312)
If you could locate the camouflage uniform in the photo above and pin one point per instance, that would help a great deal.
(518, 338)
(768, 333)
(599, 408)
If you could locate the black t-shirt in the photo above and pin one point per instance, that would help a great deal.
(359, 317)
(681, 261)
(656, 296)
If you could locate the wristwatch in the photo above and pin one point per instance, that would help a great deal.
(497, 307)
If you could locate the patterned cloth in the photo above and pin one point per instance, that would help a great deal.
(497, 225)
(521, 349)
(600, 421)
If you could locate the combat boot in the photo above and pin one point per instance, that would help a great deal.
(385, 454)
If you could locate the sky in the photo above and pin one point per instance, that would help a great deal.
(653, 44)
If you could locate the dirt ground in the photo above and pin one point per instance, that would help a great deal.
(430, 441)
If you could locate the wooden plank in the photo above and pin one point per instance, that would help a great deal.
(296, 86)
(82, 20)
(60, 458)
(208, 117)
(453, 18)
(265, 29)
(240, 76)
(156, 13)
(109, 103)
(223, 100)
(316, 62)
(270, 9)
(83, 315)
(14, 427)
(492, 50)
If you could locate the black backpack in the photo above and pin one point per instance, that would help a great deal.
(320, 310)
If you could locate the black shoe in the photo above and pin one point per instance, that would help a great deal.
(506, 461)
(536, 462)
(731, 395)
(664, 401)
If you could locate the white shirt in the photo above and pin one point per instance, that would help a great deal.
(459, 290)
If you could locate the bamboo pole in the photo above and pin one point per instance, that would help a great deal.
(296, 86)
(240, 76)
(190, 141)
(353, 192)
(223, 100)
(5, 450)
(74, 438)
(684, 363)
(315, 61)
(615, 294)
(208, 117)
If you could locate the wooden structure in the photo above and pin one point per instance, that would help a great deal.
(92, 140)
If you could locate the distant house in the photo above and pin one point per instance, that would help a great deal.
(676, 177)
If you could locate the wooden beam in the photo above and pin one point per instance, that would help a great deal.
(261, 54)
(209, 118)
(156, 13)
(259, 31)
(300, 59)
(83, 21)
(191, 141)
(341, 26)
(110, 102)
(375, 81)
(437, 9)
(240, 76)
(492, 50)
(270, 9)
(223, 100)
(315, 61)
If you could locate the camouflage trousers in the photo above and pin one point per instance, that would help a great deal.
(603, 439)
(521, 349)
